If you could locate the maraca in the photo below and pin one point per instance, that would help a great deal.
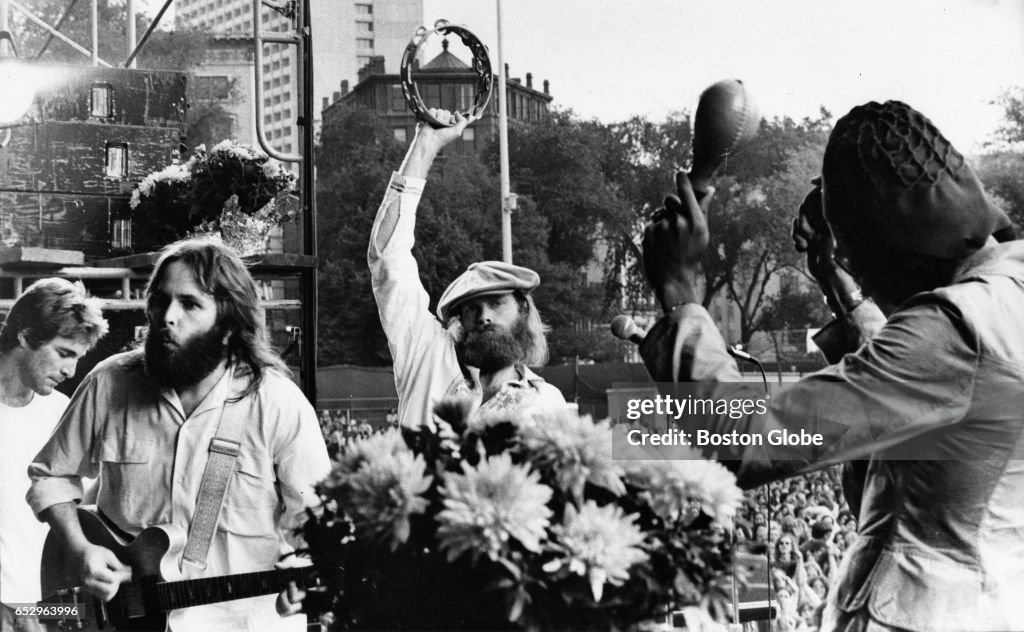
(726, 116)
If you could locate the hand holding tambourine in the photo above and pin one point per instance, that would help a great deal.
(481, 67)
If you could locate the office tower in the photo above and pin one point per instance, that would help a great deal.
(346, 35)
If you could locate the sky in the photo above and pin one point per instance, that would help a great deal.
(611, 60)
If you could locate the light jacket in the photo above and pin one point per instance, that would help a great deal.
(935, 400)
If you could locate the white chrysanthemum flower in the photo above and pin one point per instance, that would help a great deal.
(490, 504)
(599, 543)
(170, 173)
(373, 447)
(271, 169)
(385, 492)
(576, 450)
(147, 184)
(136, 198)
(674, 485)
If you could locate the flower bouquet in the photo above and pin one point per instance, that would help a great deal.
(516, 522)
(233, 191)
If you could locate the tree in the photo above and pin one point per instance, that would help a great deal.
(164, 50)
(647, 154)
(1000, 168)
(751, 215)
(564, 169)
(758, 192)
(354, 162)
(1002, 173)
(1012, 102)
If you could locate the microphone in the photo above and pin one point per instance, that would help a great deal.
(740, 355)
(625, 328)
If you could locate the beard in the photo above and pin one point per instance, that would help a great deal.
(186, 364)
(491, 349)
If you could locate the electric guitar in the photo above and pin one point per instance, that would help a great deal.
(144, 603)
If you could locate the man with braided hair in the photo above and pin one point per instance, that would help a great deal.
(932, 397)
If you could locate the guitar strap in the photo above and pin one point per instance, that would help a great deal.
(224, 449)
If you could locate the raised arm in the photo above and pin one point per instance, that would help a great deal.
(413, 333)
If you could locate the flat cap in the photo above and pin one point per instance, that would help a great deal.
(486, 277)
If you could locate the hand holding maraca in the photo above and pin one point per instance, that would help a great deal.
(677, 237)
(726, 117)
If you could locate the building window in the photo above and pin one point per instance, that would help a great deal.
(287, 148)
(213, 88)
(364, 9)
(101, 102)
(396, 99)
(364, 27)
(116, 162)
(467, 94)
(364, 43)
(431, 94)
(363, 60)
(401, 134)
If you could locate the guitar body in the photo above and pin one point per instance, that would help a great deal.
(152, 557)
(156, 588)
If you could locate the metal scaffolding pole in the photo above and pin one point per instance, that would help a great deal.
(507, 200)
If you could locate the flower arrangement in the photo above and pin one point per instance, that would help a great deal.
(232, 190)
(516, 522)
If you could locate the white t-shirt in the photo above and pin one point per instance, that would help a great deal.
(23, 431)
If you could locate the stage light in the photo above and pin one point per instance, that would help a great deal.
(18, 85)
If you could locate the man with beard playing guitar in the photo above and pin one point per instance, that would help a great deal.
(487, 328)
(146, 424)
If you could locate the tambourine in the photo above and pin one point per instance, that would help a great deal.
(481, 66)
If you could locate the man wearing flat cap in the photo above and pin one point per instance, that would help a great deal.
(933, 398)
(487, 330)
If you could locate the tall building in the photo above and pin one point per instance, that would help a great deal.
(347, 34)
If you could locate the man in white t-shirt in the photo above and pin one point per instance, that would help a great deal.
(49, 328)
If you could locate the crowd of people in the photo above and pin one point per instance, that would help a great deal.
(802, 525)
(340, 428)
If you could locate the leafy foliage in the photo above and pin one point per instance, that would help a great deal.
(1012, 102)
(165, 50)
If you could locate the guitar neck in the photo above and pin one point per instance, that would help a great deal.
(207, 590)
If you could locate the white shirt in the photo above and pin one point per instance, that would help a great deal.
(426, 366)
(23, 431)
(150, 460)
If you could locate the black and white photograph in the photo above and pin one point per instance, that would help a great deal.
(519, 315)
